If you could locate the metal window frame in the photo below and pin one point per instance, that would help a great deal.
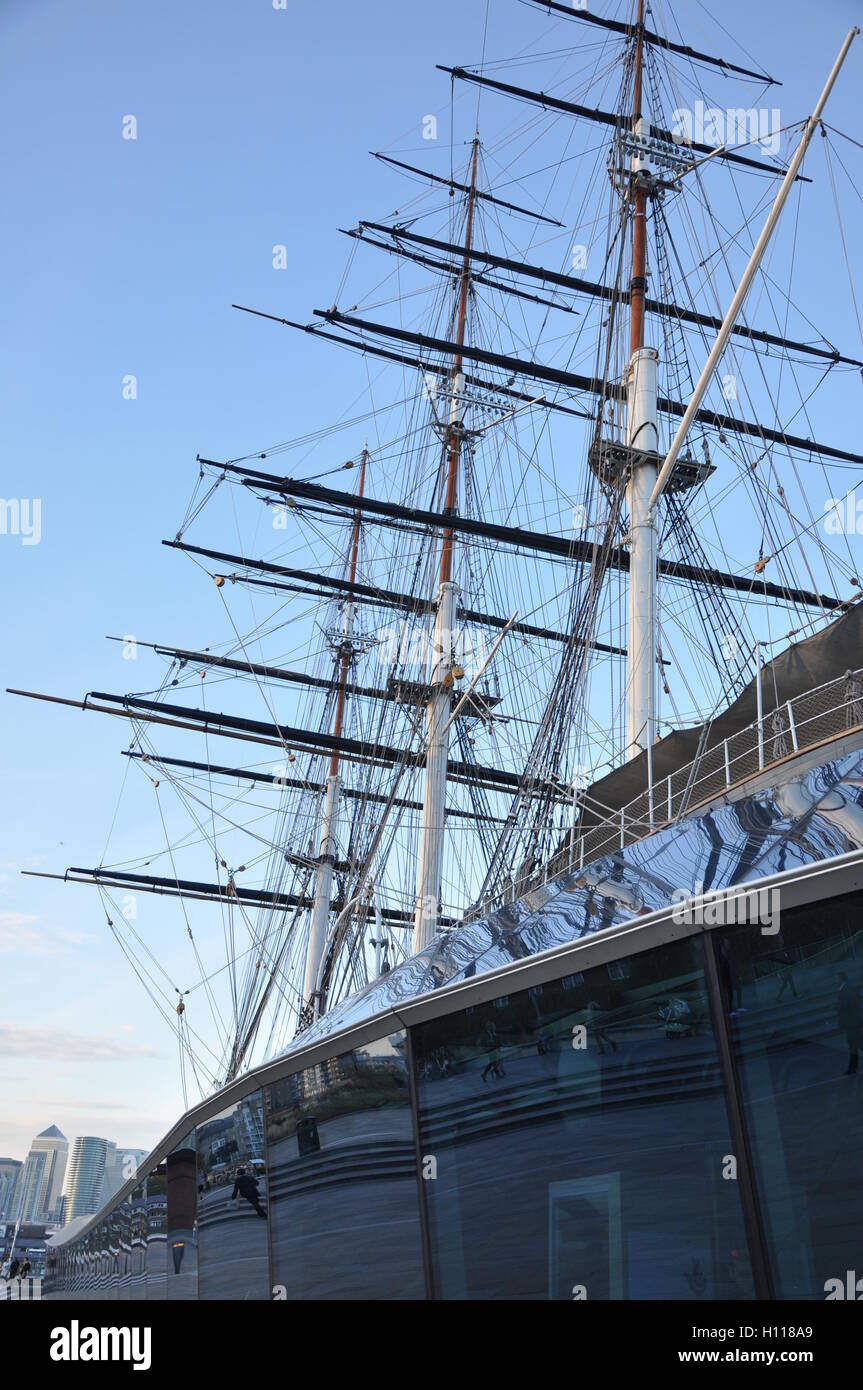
(425, 1232)
(738, 1127)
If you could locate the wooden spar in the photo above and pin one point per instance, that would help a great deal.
(431, 845)
(301, 783)
(306, 740)
(457, 413)
(609, 118)
(319, 921)
(346, 650)
(616, 26)
(562, 546)
(373, 594)
(575, 381)
(642, 438)
(201, 892)
(465, 188)
(638, 283)
(579, 285)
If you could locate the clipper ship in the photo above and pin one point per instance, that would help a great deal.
(577, 634)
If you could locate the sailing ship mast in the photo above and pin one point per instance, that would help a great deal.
(330, 826)
(647, 481)
(438, 707)
(303, 941)
(642, 441)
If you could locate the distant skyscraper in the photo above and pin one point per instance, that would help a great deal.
(41, 1179)
(10, 1170)
(85, 1175)
(120, 1164)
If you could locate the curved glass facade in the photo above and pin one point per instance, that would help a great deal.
(681, 1118)
(579, 1131)
(233, 1203)
(344, 1208)
(802, 816)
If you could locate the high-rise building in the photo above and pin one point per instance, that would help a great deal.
(40, 1182)
(120, 1164)
(10, 1171)
(85, 1175)
(249, 1124)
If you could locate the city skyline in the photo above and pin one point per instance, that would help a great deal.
(58, 1178)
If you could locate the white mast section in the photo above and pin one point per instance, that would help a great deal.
(642, 435)
(434, 798)
(642, 440)
(323, 888)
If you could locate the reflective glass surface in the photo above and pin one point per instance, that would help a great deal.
(233, 1256)
(794, 1002)
(574, 1138)
(344, 1204)
(803, 818)
(120, 1240)
(157, 1221)
(101, 1244)
(138, 1242)
(182, 1235)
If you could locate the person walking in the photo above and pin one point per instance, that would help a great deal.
(246, 1184)
(491, 1041)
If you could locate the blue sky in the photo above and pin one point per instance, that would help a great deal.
(123, 257)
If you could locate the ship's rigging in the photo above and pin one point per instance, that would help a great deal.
(437, 663)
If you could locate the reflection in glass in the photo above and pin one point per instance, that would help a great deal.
(232, 1203)
(343, 1181)
(157, 1223)
(796, 1018)
(120, 1241)
(100, 1240)
(92, 1263)
(579, 1131)
(182, 1193)
(138, 1243)
(107, 1286)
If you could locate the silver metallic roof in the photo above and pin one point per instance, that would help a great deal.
(802, 817)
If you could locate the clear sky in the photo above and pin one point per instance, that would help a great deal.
(123, 257)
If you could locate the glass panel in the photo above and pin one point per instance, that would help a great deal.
(794, 998)
(157, 1223)
(138, 1243)
(90, 1269)
(182, 1179)
(344, 1202)
(114, 1253)
(574, 1139)
(52, 1284)
(233, 1257)
(120, 1239)
(103, 1281)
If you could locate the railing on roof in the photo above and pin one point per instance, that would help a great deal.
(816, 716)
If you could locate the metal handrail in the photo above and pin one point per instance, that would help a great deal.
(782, 732)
